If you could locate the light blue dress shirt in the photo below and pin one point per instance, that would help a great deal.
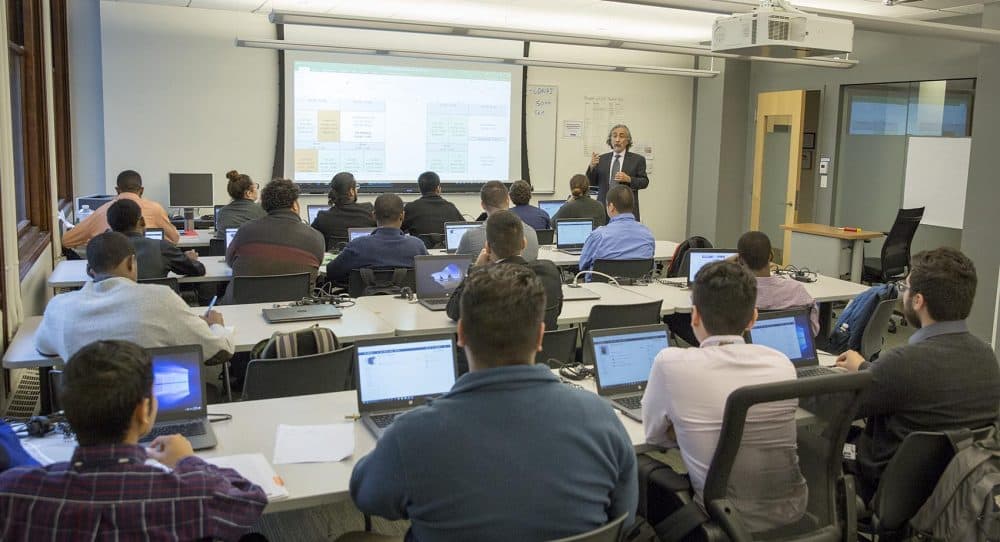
(622, 239)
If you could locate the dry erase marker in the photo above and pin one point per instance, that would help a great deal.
(846, 228)
(212, 304)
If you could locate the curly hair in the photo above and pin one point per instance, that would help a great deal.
(279, 194)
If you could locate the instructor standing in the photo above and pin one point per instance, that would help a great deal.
(618, 166)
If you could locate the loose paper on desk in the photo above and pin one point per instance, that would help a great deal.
(313, 443)
(254, 467)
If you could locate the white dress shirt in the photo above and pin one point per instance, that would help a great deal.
(621, 164)
(687, 391)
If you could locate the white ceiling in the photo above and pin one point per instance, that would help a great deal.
(595, 17)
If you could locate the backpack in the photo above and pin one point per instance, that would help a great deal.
(381, 282)
(850, 326)
(696, 241)
(965, 504)
(301, 342)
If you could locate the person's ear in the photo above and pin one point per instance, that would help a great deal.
(540, 338)
(524, 243)
(118, 190)
(142, 222)
(90, 272)
(295, 206)
(141, 190)
(695, 317)
(753, 320)
(486, 247)
(460, 332)
(144, 416)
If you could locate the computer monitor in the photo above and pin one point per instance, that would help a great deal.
(453, 232)
(551, 206)
(313, 210)
(93, 201)
(230, 233)
(191, 190)
(354, 233)
(700, 257)
(154, 233)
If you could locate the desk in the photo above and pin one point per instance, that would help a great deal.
(664, 252)
(250, 328)
(73, 273)
(820, 247)
(199, 239)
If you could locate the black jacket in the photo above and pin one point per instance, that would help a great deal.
(157, 257)
(428, 215)
(333, 222)
(545, 270)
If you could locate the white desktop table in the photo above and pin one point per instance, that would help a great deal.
(664, 252)
(199, 239)
(73, 273)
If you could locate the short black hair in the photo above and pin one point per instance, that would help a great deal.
(502, 307)
(726, 295)
(238, 184)
(340, 189)
(428, 182)
(129, 181)
(504, 233)
(106, 251)
(754, 248)
(102, 384)
(124, 215)
(494, 195)
(279, 194)
(947, 280)
(388, 208)
(520, 192)
(622, 198)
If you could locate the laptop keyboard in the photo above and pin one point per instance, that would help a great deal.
(383, 420)
(633, 402)
(814, 371)
(190, 429)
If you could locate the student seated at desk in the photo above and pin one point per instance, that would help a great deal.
(504, 245)
(386, 247)
(773, 292)
(493, 197)
(107, 491)
(344, 212)
(243, 208)
(623, 238)
(114, 306)
(687, 391)
(12, 454)
(580, 204)
(129, 186)
(520, 196)
(510, 453)
(945, 378)
(154, 257)
(429, 213)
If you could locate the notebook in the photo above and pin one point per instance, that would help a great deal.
(700, 257)
(354, 233)
(790, 333)
(623, 358)
(453, 232)
(154, 233)
(437, 277)
(313, 210)
(397, 374)
(180, 394)
(254, 467)
(551, 206)
(298, 313)
(571, 233)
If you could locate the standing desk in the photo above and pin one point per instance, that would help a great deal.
(820, 247)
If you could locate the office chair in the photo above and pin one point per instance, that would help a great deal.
(362, 282)
(304, 375)
(55, 384)
(271, 288)
(607, 316)
(609, 532)
(216, 247)
(872, 337)
(558, 347)
(432, 240)
(895, 258)
(335, 244)
(631, 269)
(165, 281)
(545, 237)
(680, 262)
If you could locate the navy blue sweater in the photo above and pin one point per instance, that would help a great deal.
(385, 247)
(508, 454)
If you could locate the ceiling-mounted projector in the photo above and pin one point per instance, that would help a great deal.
(776, 29)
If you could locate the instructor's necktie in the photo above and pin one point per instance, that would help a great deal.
(616, 166)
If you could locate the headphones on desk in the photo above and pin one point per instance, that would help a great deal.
(406, 293)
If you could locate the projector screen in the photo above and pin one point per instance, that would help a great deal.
(386, 120)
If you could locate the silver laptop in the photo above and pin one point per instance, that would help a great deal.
(551, 206)
(398, 374)
(700, 257)
(180, 394)
(571, 234)
(454, 231)
(354, 233)
(790, 332)
(623, 358)
(154, 233)
(299, 313)
(578, 293)
(437, 277)
(312, 211)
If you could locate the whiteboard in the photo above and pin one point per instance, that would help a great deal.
(937, 173)
(541, 112)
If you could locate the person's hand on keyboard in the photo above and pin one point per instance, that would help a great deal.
(850, 360)
(169, 449)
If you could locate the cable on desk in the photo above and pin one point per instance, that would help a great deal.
(219, 417)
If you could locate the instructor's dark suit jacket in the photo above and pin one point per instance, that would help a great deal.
(634, 165)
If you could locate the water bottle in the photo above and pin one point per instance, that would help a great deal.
(83, 213)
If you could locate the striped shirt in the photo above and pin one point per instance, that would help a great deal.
(107, 492)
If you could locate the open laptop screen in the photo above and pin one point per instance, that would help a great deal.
(572, 233)
(313, 210)
(230, 233)
(402, 370)
(177, 382)
(455, 230)
(154, 233)
(623, 357)
(438, 276)
(701, 257)
(354, 233)
(788, 332)
(551, 206)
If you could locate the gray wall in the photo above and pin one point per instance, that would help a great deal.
(86, 97)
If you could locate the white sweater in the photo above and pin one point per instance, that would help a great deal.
(150, 315)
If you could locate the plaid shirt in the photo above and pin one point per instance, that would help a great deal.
(107, 492)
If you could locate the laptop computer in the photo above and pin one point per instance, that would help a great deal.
(398, 374)
(437, 277)
(551, 206)
(623, 358)
(230, 233)
(790, 333)
(313, 210)
(571, 233)
(297, 313)
(354, 233)
(700, 257)
(180, 394)
(216, 214)
(154, 233)
(579, 293)
(453, 232)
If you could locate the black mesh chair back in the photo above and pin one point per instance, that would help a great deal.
(216, 247)
(611, 532)
(380, 281)
(896, 248)
(608, 316)
(271, 288)
(872, 338)
(55, 385)
(545, 237)
(165, 281)
(631, 269)
(432, 240)
(303, 375)
(558, 347)
(680, 263)
(335, 244)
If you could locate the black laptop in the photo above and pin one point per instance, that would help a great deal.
(790, 332)
(180, 395)
(623, 358)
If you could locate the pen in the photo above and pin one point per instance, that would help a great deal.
(354, 417)
(212, 304)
